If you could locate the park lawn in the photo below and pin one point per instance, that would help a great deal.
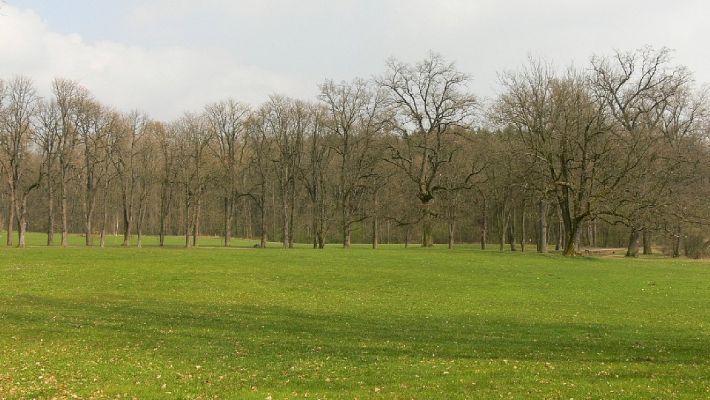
(394, 323)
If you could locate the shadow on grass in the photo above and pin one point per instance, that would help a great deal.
(273, 330)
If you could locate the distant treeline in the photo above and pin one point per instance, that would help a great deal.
(612, 154)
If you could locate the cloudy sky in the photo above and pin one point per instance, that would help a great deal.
(170, 56)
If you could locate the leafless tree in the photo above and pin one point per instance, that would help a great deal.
(68, 96)
(18, 105)
(48, 137)
(226, 121)
(357, 117)
(431, 99)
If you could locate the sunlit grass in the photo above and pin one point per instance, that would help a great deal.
(392, 323)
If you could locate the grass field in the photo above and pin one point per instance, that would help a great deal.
(241, 323)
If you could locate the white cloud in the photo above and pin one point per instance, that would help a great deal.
(165, 81)
(169, 56)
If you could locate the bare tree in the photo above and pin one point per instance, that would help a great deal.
(635, 88)
(192, 149)
(227, 123)
(48, 136)
(167, 144)
(356, 116)
(94, 126)
(431, 99)
(314, 175)
(125, 149)
(68, 95)
(18, 105)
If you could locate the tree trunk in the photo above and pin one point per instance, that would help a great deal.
(560, 232)
(22, 223)
(346, 237)
(228, 216)
(10, 222)
(572, 241)
(314, 224)
(284, 216)
(375, 232)
(65, 212)
(522, 229)
(262, 224)
(50, 211)
(451, 234)
(427, 235)
(321, 224)
(503, 232)
(676, 243)
(87, 230)
(511, 231)
(375, 222)
(127, 222)
(484, 225)
(647, 243)
(542, 227)
(633, 246)
(161, 233)
(247, 220)
(196, 225)
(104, 220)
(291, 214)
(188, 222)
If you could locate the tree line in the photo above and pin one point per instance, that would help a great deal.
(609, 155)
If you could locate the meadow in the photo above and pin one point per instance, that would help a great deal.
(392, 323)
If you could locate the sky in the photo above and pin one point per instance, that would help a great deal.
(167, 57)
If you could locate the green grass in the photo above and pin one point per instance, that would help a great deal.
(393, 323)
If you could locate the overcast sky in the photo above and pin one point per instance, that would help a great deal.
(170, 56)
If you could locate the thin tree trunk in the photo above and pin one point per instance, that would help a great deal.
(65, 212)
(284, 217)
(484, 225)
(127, 219)
(87, 227)
(104, 219)
(522, 229)
(542, 227)
(375, 231)
(560, 232)
(451, 234)
(511, 230)
(228, 215)
(262, 223)
(291, 215)
(10, 222)
(503, 231)
(188, 222)
(314, 222)
(196, 225)
(50, 212)
(375, 221)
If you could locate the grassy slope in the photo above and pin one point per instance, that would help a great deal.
(393, 323)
